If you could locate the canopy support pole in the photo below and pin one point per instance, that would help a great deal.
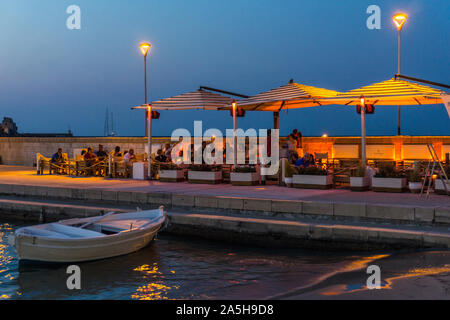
(234, 136)
(363, 135)
(423, 81)
(149, 141)
(276, 120)
(276, 126)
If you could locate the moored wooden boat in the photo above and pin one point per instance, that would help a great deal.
(87, 239)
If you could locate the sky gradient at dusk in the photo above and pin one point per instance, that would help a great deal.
(53, 78)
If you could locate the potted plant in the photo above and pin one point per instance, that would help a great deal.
(439, 186)
(389, 179)
(415, 181)
(244, 176)
(202, 173)
(359, 179)
(289, 172)
(312, 178)
(170, 173)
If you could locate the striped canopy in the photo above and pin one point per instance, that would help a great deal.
(391, 92)
(289, 96)
(199, 99)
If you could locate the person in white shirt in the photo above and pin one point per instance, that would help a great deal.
(128, 159)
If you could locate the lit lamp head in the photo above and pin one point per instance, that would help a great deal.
(234, 104)
(145, 47)
(362, 101)
(399, 19)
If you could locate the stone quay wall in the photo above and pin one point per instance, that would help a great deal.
(23, 150)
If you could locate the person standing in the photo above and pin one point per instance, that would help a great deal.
(299, 148)
(292, 140)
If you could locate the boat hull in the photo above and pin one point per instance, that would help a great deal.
(41, 249)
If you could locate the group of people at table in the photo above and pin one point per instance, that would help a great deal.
(91, 157)
(292, 150)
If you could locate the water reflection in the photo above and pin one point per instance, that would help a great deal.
(177, 268)
(8, 289)
(155, 290)
(389, 282)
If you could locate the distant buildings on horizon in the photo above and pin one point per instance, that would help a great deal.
(8, 128)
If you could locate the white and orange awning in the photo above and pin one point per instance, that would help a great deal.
(290, 96)
(391, 92)
(199, 99)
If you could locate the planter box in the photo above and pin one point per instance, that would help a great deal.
(140, 171)
(210, 177)
(288, 182)
(439, 187)
(359, 183)
(312, 181)
(388, 184)
(244, 178)
(415, 187)
(171, 175)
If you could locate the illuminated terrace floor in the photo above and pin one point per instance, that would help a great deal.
(27, 176)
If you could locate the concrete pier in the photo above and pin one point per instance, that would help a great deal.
(262, 215)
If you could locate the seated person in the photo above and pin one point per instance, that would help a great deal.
(304, 162)
(167, 150)
(58, 157)
(161, 157)
(312, 161)
(129, 156)
(90, 158)
(101, 153)
(117, 152)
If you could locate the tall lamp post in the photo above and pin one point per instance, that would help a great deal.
(145, 47)
(399, 19)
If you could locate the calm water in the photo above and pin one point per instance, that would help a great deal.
(177, 268)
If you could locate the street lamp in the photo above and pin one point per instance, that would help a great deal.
(399, 19)
(145, 47)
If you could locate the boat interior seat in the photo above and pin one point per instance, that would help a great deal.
(73, 232)
(122, 225)
(44, 233)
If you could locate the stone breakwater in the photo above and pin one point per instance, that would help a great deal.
(257, 221)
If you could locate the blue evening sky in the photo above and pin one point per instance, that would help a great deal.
(53, 78)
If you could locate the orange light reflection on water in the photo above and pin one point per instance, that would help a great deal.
(154, 290)
(388, 283)
(5, 258)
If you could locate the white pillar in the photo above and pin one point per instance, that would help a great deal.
(363, 135)
(234, 136)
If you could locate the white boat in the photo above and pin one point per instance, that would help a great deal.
(87, 239)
